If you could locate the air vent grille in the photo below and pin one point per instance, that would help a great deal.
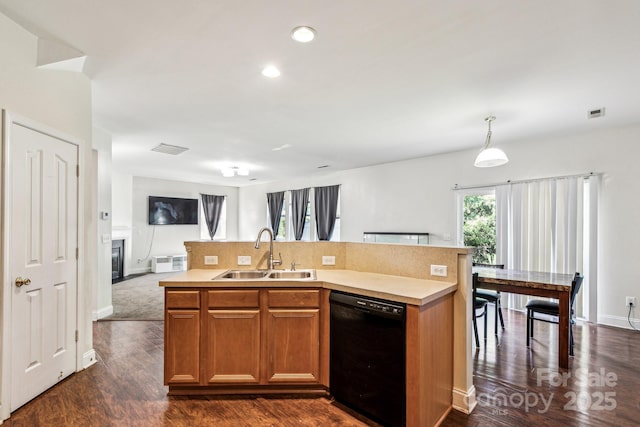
(598, 112)
(169, 149)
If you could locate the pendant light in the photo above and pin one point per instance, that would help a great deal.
(490, 157)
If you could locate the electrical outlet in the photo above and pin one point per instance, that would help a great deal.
(630, 301)
(244, 260)
(210, 260)
(439, 270)
(328, 260)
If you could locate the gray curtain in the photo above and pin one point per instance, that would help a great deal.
(212, 206)
(275, 201)
(326, 203)
(299, 201)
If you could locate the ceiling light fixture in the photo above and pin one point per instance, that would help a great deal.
(490, 157)
(234, 170)
(282, 147)
(270, 71)
(303, 34)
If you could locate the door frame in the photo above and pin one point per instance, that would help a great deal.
(8, 119)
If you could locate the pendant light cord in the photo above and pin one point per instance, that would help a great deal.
(488, 141)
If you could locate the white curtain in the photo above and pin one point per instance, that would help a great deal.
(539, 227)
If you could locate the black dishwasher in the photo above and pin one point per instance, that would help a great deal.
(367, 356)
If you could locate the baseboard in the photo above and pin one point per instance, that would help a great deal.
(140, 270)
(618, 321)
(89, 358)
(464, 401)
(102, 313)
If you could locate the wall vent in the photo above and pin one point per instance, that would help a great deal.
(598, 112)
(169, 149)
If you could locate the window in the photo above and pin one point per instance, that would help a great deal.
(221, 232)
(538, 225)
(477, 223)
(285, 232)
(479, 227)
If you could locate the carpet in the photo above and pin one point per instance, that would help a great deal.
(139, 298)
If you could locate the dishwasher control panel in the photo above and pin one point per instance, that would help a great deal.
(368, 304)
(380, 306)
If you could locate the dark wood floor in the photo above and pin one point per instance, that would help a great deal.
(125, 387)
(517, 386)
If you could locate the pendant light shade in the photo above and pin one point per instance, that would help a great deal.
(490, 157)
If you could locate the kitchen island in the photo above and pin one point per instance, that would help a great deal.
(272, 336)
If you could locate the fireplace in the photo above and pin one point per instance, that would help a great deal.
(117, 260)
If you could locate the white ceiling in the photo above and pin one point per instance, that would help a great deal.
(383, 81)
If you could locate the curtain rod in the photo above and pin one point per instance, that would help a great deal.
(523, 181)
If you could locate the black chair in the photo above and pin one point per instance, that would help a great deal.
(551, 308)
(478, 304)
(492, 297)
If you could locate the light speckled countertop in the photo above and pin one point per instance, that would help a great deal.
(393, 288)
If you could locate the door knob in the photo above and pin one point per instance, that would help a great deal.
(22, 282)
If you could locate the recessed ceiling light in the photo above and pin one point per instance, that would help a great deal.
(270, 71)
(303, 34)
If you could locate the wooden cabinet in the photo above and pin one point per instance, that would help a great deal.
(293, 336)
(182, 337)
(232, 338)
(239, 340)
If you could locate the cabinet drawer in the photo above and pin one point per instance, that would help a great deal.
(234, 298)
(294, 298)
(182, 299)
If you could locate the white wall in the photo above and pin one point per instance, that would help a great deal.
(102, 151)
(121, 200)
(417, 195)
(148, 240)
(60, 100)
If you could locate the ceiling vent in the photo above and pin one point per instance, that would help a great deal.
(598, 112)
(169, 149)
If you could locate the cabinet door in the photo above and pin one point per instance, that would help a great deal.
(233, 346)
(293, 346)
(182, 347)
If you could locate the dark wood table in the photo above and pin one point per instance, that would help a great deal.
(552, 285)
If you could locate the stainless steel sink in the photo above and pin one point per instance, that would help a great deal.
(292, 275)
(267, 275)
(242, 274)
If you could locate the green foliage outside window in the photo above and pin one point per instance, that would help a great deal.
(480, 227)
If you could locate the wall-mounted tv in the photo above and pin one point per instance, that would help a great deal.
(172, 210)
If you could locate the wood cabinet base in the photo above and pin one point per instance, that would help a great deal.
(312, 390)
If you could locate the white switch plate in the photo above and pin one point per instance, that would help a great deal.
(328, 260)
(106, 238)
(439, 270)
(210, 260)
(244, 260)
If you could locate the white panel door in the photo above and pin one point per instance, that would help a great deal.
(43, 210)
